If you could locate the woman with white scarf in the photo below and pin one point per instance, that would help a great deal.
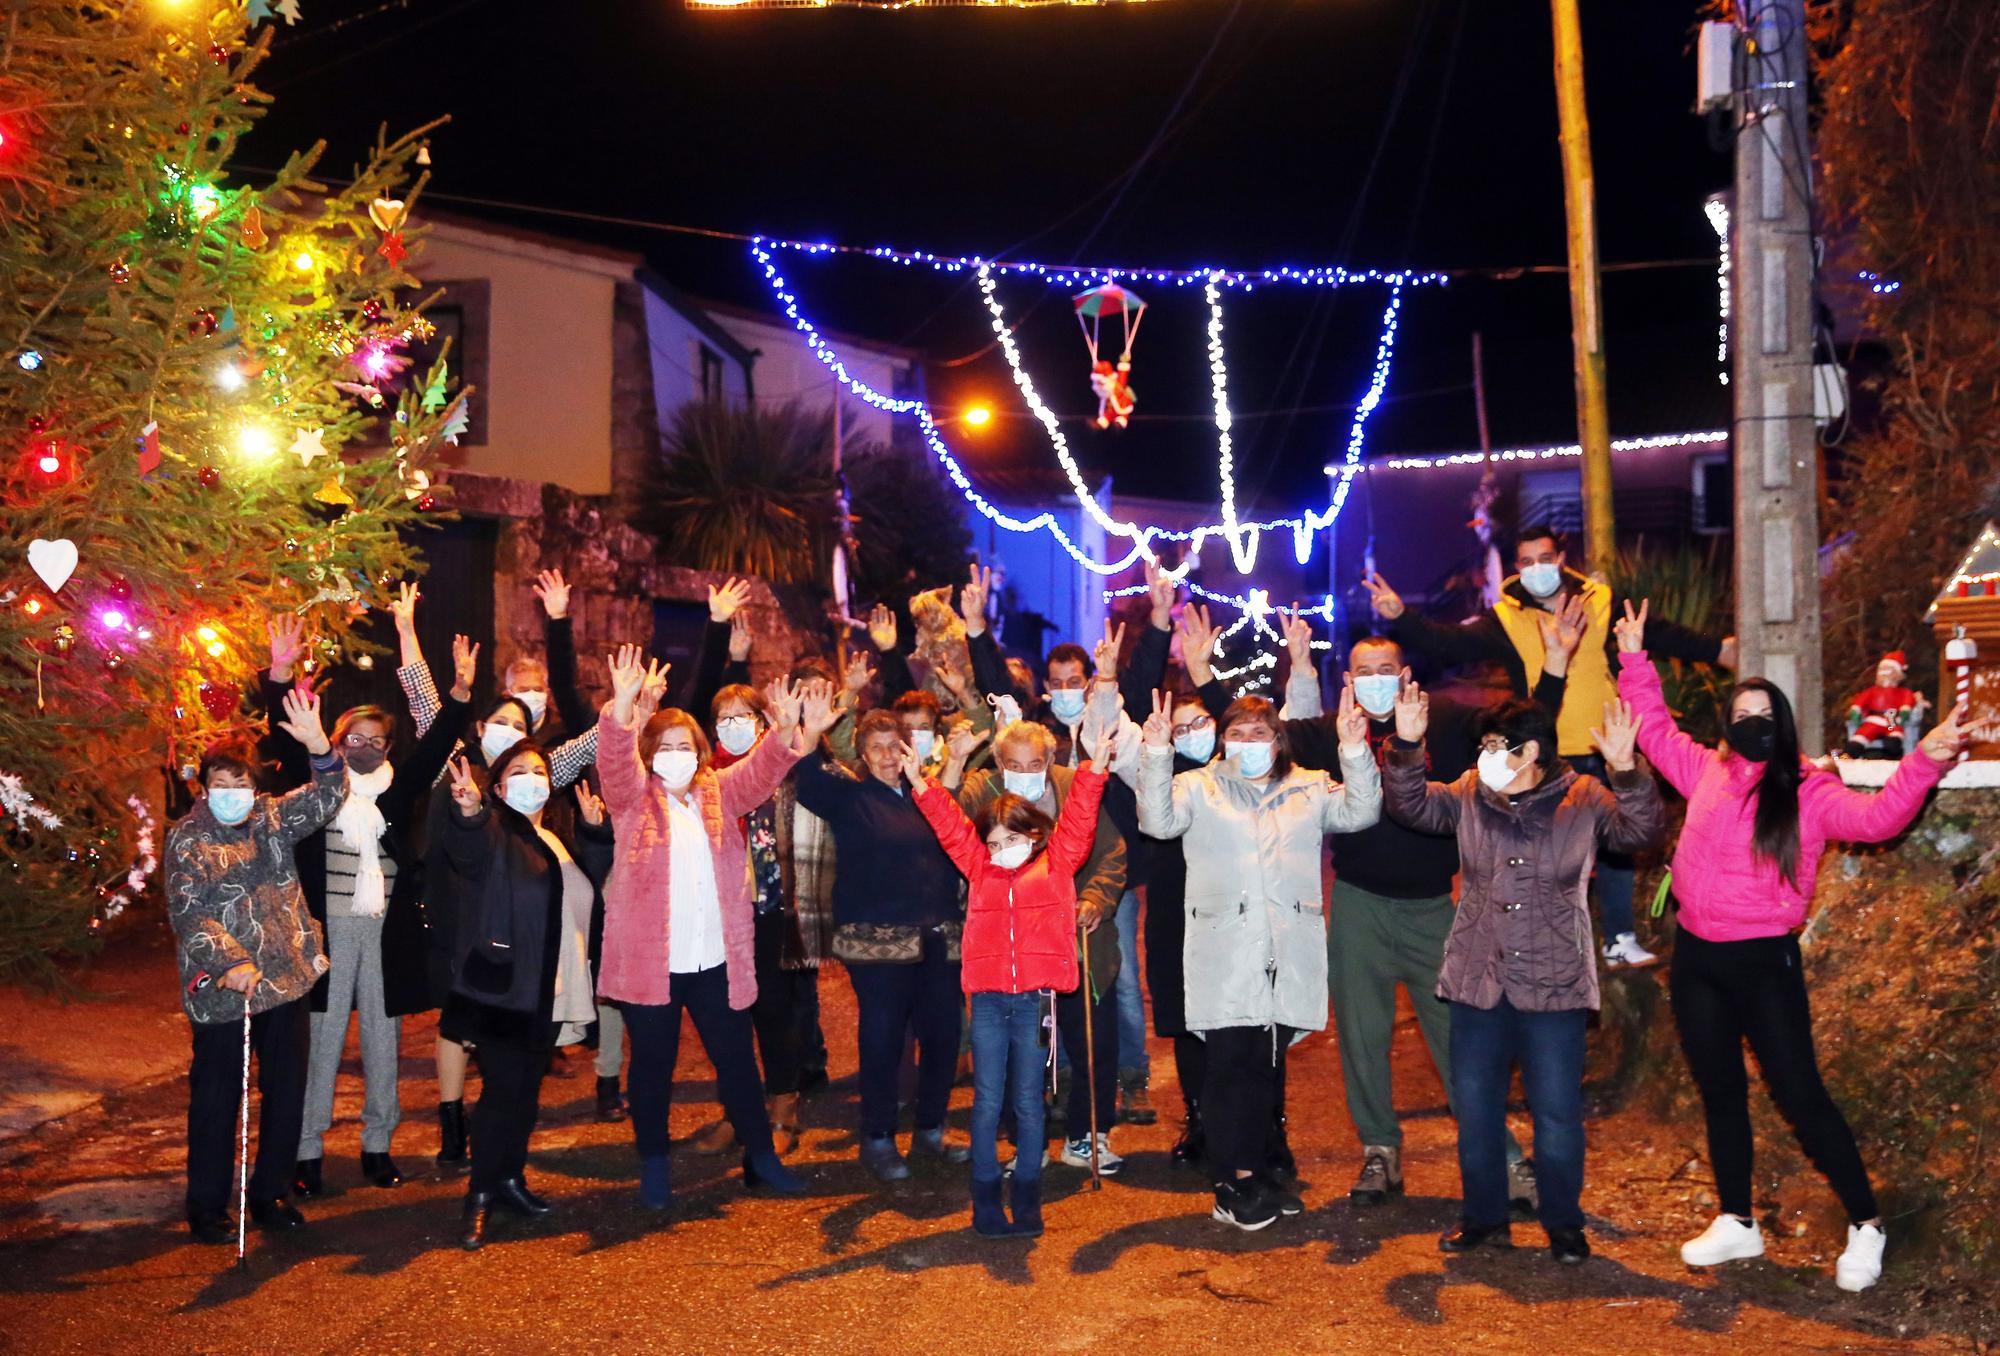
(350, 871)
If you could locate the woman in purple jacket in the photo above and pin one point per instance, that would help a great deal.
(1758, 818)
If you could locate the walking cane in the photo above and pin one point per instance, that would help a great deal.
(243, 1139)
(1089, 1054)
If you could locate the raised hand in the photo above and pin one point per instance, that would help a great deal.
(464, 790)
(1562, 631)
(1413, 711)
(972, 599)
(1160, 588)
(1350, 722)
(725, 602)
(1298, 640)
(913, 765)
(554, 593)
(302, 721)
(963, 741)
(954, 679)
(739, 638)
(818, 709)
(403, 607)
(882, 628)
(1388, 604)
(784, 699)
(653, 688)
(1108, 650)
(1198, 637)
(628, 673)
(1948, 736)
(589, 805)
(288, 644)
(1619, 736)
(1631, 627)
(859, 673)
(1158, 731)
(464, 667)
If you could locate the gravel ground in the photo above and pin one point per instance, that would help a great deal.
(93, 1255)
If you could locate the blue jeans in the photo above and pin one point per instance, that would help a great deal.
(1132, 1056)
(1007, 1063)
(896, 1000)
(1486, 1043)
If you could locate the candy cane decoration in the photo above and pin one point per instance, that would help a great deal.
(1959, 652)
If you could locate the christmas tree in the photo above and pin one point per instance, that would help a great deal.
(217, 402)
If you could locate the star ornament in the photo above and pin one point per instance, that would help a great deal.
(392, 249)
(308, 447)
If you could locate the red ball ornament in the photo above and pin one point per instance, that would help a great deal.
(183, 129)
(371, 310)
(120, 273)
(37, 424)
(426, 502)
(208, 477)
(218, 54)
(121, 589)
(219, 699)
(204, 323)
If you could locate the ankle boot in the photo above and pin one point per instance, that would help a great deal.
(784, 1110)
(717, 1137)
(306, 1178)
(761, 1168)
(610, 1102)
(1026, 1200)
(656, 1183)
(989, 1217)
(1192, 1146)
(452, 1154)
(514, 1195)
(473, 1219)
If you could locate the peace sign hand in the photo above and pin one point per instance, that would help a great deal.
(464, 667)
(1351, 722)
(1108, 649)
(1298, 639)
(1160, 588)
(1387, 602)
(589, 805)
(464, 790)
(972, 599)
(1631, 627)
(1158, 731)
(403, 607)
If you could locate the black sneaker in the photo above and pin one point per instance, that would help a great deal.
(1244, 1203)
(1569, 1246)
(1287, 1201)
(1468, 1236)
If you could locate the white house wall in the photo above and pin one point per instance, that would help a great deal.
(674, 347)
(786, 370)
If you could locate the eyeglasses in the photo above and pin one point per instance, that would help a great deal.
(1198, 723)
(355, 741)
(1495, 744)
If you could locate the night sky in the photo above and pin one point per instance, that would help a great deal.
(1254, 125)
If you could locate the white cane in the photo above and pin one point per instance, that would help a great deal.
(243, 1139)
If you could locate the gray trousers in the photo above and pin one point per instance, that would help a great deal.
(610, 1040)
(1373, 943)
(354, 984)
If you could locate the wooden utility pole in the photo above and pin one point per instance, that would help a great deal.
(1593, 425)
(1775, 441)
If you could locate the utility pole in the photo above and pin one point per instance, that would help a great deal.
(1775, 441)
(1586, 316)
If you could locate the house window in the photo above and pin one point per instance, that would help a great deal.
(1714, 493)
(711, 373)
(1552, 498)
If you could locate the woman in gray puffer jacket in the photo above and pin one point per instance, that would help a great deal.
(1255, 954)
(1520, 972)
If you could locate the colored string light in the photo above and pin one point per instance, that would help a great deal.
(1703, 438)
(1718, 217)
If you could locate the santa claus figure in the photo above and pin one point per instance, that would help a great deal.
(1115, 400)
(1881, 718)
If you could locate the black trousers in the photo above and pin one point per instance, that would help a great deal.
(810, 1039)
(1725, 993)
(1104, 1033)
(1243, 1096)
(775, 1014)
(510, 1100)
(655, 1032)
(215, 1086)
(1191, 1067)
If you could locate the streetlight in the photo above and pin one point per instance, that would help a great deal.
(978, 416)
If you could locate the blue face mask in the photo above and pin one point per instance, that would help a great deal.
(1376, 692)
(1252, 760)
(1028, 786)
(1542, 580)
(1067, 703)
(1196, 745)
(231, 804)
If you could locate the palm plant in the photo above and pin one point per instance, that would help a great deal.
(744, 490)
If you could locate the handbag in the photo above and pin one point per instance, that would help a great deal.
(877, 944)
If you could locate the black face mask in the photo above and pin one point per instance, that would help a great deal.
(1753, 737)
(364, 759)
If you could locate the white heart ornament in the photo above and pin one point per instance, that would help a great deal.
(54, 561)
(386, 213)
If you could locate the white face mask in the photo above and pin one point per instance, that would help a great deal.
(1494, 771)
(1542, 580)
(495, 740)
(675, 767)
(1011, 856)
(1252, 759)
(738, 734)
(1376, 692)
(535, 700)
(526, 792)
(231, 804)
(1028, 786)
(923, 741)
(1196, 745)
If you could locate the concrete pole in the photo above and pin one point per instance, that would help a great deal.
(1593, 425)
(1775, 442)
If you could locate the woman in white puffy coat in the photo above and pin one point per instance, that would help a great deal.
(1255, 954)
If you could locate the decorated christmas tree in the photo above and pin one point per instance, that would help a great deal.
(218, 401)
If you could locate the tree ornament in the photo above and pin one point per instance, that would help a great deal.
(426, 502)
(424, 154)
(113, 660)
(65, 637)
(291, 546)
(204, 325)
(183, 129)
(392, 249)
(53, 561)
(29, 360)
(121, 273)
(149, 448)
(218, 54)
(251, 230)
(219, 699)
(334, 493)
(208, 477)
(121, 588)
(371, 310)
(288, 10)
(387, 214)
(1108, 381)
(308, 447)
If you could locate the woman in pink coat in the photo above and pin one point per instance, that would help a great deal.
(1758, 819)
(678, 922)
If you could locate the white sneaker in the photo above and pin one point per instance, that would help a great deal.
(1623, 952)
(1861, 1265)
(1729, 1239)
(1076, 1153)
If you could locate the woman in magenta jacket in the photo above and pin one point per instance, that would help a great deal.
(1758, 819)
(1020, 949)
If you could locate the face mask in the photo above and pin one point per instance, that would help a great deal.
(1494, 771)
(1005, 711)
(527, 792)
(1753, 737)
(1016, 854)
(1067, 703)
(1542, 580)
(1197, 745)
(736, 734)
(231, 804)
(535, 700)
(675, 767)
(1252, 760)
(1027, 785)
(923, 741)
(497, 739)
(1376, 692)
(365, 759)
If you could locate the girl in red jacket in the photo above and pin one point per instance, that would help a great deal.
(1020, 949)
